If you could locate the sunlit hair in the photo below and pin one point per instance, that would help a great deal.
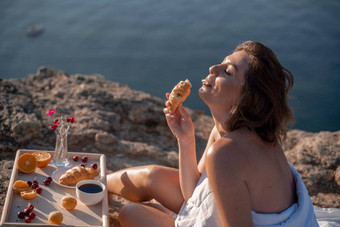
(263, 105)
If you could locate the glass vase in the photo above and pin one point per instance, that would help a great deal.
(60, 158)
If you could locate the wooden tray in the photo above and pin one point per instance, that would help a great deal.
(50, 198)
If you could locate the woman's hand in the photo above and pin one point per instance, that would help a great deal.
(179, 121)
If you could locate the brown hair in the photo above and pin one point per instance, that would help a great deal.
(263, 105)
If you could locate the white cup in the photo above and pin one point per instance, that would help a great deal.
(89, 198)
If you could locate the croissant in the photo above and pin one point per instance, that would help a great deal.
(179, 93)
(76, 174)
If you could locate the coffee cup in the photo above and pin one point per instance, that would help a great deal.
(90, 192)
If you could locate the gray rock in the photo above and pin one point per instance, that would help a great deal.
(317, 158)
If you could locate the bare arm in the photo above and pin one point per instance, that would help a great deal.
(182, 127)
(225, 169)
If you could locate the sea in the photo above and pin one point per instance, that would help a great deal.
(150, 45)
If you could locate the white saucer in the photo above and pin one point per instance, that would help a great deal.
(57, 174)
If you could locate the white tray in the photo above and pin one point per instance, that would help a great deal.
(50, 198)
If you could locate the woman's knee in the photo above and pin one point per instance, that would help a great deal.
(139, 184)
(127, 214)
(124, 214)
(136, 182)
(156, 175)
(143, 214)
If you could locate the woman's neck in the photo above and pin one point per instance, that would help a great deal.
(220, 118)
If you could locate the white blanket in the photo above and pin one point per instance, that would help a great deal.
(201, 210)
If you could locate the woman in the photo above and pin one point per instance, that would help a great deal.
(243, 177)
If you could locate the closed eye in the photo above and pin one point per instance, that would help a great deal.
(227, 72)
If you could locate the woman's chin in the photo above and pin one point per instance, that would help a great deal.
(203, 93)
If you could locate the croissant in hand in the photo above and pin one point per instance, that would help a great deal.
(76, 174)
(179, 93)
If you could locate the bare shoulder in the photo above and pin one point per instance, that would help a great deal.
(229, 154)
(256, 167)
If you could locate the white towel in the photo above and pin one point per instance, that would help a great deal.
(201, 210)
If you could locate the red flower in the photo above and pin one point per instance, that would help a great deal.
(56, 121)
(51, 112)
(70, 120)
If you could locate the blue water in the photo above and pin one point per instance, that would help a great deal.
(151, 45)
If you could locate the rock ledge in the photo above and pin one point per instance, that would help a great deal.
(130, 128)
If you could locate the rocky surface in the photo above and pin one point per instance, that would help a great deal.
(317, 158)
(130, 128)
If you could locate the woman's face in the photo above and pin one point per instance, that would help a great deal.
(222, 87)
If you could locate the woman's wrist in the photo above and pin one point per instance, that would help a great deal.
(185, 141)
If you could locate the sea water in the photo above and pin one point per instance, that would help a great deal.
(151, 45)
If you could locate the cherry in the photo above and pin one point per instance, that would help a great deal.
(30, 207)
(27, 211)
(29, 183)
(28, 220)
(35, 186)
(82, 165)
(84, 158)
(32, 215)
(35, 182)
(49, 178)
(47, 182)
(75, 158)
(94, 166)
(21, 214)
(38, 190)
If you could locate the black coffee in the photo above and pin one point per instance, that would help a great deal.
(90, 188)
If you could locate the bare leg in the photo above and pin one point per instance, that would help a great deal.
(139, 214)
(139, 184)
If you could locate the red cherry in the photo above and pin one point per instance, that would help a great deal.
(47, 182)
(35, 182)
(29, 183)
(38, 190)
(94, 166)
(82, 165)
(35, 186)
(28, 220)
(49, 178)
(27, 211)
(30, 207)
(21, 214)
(32, 215)
(75, 158)
(84, 158)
